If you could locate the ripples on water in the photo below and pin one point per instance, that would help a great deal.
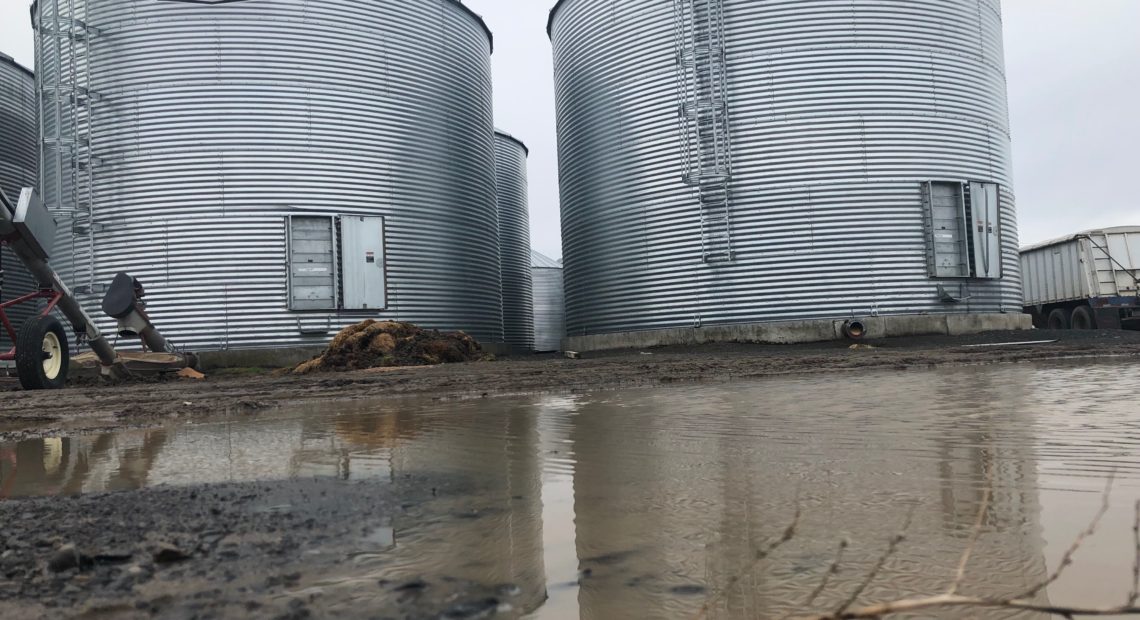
(639, 504)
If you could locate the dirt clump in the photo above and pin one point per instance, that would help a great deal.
(380, 344)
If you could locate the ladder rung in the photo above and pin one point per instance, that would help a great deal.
(704, 104)
(689, 53)
(81, 141)
(715, 187)
(706, 179)
(719, 257)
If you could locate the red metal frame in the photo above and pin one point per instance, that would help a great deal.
(54, 296)
(47, 293)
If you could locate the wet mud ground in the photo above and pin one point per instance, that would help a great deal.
(230, 551)
(99, 407)
(260, 550)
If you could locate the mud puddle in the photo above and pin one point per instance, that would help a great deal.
(646, 503)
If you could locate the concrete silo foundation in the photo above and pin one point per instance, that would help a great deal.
(795, 332)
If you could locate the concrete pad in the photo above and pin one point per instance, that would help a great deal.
(795, 332)
(915, 325)
(960, 324)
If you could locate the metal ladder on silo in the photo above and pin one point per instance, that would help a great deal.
(66, 99)
(702, 84)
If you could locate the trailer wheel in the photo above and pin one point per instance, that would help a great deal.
(42, 357)
(1083, 318)
(1058, 319)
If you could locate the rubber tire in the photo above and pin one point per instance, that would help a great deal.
(1083, 318)
(1058, 319)
(30, 354)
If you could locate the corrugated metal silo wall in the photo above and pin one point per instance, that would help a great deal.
(215, 122)
(514, 241)
(839, 111)
(549, 309)
(18, 165)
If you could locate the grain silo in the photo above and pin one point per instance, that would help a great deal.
(514, 240)
(273, 170)
(769, 169)
(18, 165)
(549, 303)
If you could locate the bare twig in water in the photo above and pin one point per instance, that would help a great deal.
(1135, 594)
(1067, 559)
(1021, 602)
(831, 572)
(757, 557)
(956, 600)
(983, 508)
(892, 548)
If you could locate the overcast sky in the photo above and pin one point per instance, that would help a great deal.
(1074, 81)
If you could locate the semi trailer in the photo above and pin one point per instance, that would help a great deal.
(1088, 280)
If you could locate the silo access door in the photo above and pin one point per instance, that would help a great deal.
(985, 217)
(362, 263)
(312, 279)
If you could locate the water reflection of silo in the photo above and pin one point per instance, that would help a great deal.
(232, 451)
(484, 524)
(987, 441)
(675, 491)
(85, 464)
(487, 454)
(354, 444)
(556, 416)
(240, 450)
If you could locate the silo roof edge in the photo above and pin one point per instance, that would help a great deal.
(12, 61)
(538, 260)
(550, 19)
(466, 9)
(500, 132)
(480, 20)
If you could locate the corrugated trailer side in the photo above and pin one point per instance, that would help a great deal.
(1053, 273)
(1084, 281)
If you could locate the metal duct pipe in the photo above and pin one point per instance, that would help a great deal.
(854, 329)
(123, 302)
